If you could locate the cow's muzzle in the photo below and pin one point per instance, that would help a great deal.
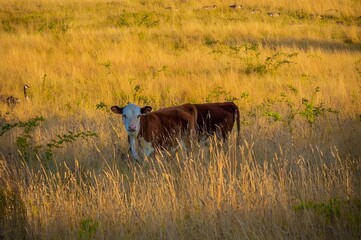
(132, 128)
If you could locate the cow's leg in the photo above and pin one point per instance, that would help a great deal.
(133, 150)
(224, 134)
(219, 132)
(192, 128)
(147, 147)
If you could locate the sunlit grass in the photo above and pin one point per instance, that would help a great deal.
(208, 193)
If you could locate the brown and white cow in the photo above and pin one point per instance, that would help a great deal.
(217, 118)
(155, 129)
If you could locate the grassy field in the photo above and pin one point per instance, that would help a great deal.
(65, 170)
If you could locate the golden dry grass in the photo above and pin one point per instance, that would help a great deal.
(294, 175)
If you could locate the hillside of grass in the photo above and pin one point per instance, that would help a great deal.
(65, 169)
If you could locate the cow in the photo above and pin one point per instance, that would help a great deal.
(217, 118)
(154, 130)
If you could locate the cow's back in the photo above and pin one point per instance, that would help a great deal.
(163, 124)
(217, 116)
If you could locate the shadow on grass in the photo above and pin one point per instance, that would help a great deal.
(308, 44)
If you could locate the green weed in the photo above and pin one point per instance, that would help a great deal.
(88, 229)
(139, 19)
(306, 108)
(25, 140)
(249, 57)
(101, 106)
(59, 141)
(107, 66)
(60, 26)
(255, 64)
(333, 210)
(219, 94)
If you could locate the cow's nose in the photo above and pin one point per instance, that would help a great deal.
(132, 128)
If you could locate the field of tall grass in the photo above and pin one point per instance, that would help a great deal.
(295, 172)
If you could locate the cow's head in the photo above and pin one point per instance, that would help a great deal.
(131, 116)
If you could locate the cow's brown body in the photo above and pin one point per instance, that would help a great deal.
(149, 130)
(217, 118)
(165, 124)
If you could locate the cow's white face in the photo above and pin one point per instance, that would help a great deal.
(131, 117)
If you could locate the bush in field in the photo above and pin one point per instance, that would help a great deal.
(26, 144)
(249, 56)
(25, 140)
(218, 94)
(306, 108)
(270, 64)
(88, 228)
(335, 210)
(61, 139)
(132, 19)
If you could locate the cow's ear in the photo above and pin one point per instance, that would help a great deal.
(145, 110)
(117, 109)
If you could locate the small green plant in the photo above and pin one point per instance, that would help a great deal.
(329, 209)
(25, 141)
(219, 94)
(8, 26)
(88, 229)
(209, 41)
(146, 20)
(275, 116)
(61, 26)
(154, 72)
(312, 111)
(307, 108)
(139, 86)
(249, 55)
(269, 65)
(299, 14)
(101, 106)
(137, 92)
(28, 126)
(59, 141)
(244, 95)
(347, 211)
(267, 109)
(179, 44)
(107, 66)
